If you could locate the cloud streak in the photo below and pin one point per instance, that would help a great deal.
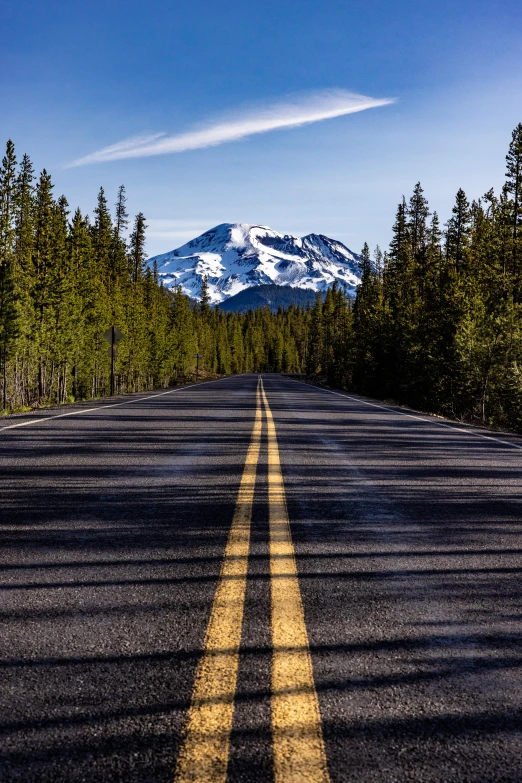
(291, 113)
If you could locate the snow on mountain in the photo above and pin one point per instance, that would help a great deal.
(235, 256)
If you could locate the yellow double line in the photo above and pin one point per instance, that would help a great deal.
(298, 747)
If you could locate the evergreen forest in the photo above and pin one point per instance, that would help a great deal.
(436, 323)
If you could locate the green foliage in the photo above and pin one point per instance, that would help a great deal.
(64, 281)
(441, 328)
(273, 296)
(436, 323)
(8, 300)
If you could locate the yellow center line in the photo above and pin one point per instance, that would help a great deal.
(204, 754)
(299, 753)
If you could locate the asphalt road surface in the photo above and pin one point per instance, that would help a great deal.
(166, 615)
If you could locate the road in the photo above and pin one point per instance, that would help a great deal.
(252, 580)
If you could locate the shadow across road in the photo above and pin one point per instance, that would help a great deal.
(408, 539)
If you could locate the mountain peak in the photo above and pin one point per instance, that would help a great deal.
(236, 256)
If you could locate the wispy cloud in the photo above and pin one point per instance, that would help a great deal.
(290, 113)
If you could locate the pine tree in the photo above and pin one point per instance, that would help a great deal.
(514, 180)
(458, 231)
(122, 216)
(400, 240)
(418, 214)
(7, 204)
(102, 238)
(118, 266)
(400, 293)
(204, 302)
(137, 256)
(315, 352)
(24, 204)
(366, 318)
(183, 336)
(514, 188)
(8, 310)
(24, 228)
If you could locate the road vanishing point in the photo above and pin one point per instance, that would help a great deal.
(254, 579)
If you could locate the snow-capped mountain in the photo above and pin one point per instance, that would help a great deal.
(235, 256)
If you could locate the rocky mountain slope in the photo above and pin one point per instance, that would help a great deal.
(236, 256)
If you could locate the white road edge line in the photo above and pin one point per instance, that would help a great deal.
(103, 407)
(419, 418)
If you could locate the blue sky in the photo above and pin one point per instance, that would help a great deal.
(76, 78)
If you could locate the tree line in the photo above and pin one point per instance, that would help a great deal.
(436, 323)
(437, 319)
(65, 278)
